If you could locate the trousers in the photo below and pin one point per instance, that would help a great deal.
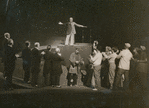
(35, 73)
(55, 79)
(27, 72)
(71, 38)
(47, 79)
(96, 79)
(119, 76)
(112, 68)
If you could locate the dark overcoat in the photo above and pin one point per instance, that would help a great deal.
(48, 62)
(56, 64)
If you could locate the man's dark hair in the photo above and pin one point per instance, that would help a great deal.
(114, 49)
(7, 35)
(27, 43)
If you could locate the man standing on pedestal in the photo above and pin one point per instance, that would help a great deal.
(71, 31)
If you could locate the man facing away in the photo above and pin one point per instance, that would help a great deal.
(56, 68)
(112, 66)
(96, 61)
(5, 43)
(26, 56)
(124, 66)
(35, 63)
(10, 58)
(47, 65)
(71, 31)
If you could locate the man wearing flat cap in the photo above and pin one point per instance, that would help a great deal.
(124, 66)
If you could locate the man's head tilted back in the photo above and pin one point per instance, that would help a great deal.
(127, 45)
(71, 19)
(37, 44)
(7, 35)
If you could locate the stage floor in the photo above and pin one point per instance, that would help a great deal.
(70, 97)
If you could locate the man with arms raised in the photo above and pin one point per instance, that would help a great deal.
(71, 31)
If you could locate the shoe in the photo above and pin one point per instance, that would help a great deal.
(58, 86)
(95, 89)
(36, 85)
(76, 85)
(53, 85)
(111, 87)
(28, 82)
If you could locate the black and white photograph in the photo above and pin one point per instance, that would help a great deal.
(74, 54)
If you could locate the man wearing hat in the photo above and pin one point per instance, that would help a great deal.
(124, 66)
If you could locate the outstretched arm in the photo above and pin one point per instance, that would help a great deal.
(60, 23)
(80, 25)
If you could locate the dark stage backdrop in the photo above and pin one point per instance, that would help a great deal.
(112, 22)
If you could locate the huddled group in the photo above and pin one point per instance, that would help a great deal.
(125, 68)
(52, 70)
(32, 59)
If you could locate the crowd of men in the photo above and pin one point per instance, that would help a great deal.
(52, 70)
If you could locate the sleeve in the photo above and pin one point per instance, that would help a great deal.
(120, 55)
(94, 58)
(78, 25)
(106, 56)
(65, 23)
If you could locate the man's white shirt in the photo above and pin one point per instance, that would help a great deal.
(97, 59)
(125, 57)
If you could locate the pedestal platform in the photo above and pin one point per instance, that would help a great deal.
(84, 50)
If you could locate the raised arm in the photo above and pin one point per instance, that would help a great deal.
(119, 56)
(60, 23)
(80, 25)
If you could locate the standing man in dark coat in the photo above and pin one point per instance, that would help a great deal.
(5, 42)
(9, 64)
(35, 64)
(57, 69)
(47, 65)
(26, 56)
